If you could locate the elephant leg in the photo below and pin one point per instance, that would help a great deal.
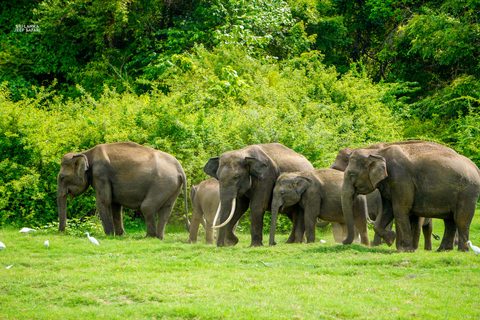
(311, 212)
(427, 229)
(401, 211)
(360, 219)
(300, 225)
(339, 231)
(463, 216)
(382, 222)
(209, 233)
(448, 236)
(257, 211)
(103, 195)
(294, 220)
(197, 216)
(163, 216)
(241, 207)
(118, 219)
(415, 223)
(149, 210)
(376, 240)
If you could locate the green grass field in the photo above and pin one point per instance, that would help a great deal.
(136, 278)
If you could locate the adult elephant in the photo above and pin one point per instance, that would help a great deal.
(374, 199)
(422, 179)
(123, 174)
(318, 192)
(247, 177)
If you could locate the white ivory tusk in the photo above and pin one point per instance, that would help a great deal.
(216, 214)
(234, 202)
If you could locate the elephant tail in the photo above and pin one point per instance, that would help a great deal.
(185, 195)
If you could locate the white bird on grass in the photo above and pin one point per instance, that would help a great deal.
(47, 244)
(92, 239)
(474, 248)
(27, 230)
(323, 241)
(2, 246)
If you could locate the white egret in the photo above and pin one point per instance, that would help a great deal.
(323, 241)
(27, 230)
(2, 246)
(9, 266)
(47, 244)
(92, 239)
(474, 248)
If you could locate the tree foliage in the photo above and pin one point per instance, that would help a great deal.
(197, 78)
(218, 100)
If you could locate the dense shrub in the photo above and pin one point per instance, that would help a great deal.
(224, 100)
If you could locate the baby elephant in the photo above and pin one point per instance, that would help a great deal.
(318, 192)
(205, 199)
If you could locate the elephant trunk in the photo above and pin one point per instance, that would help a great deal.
(348, 196)
(232, 211)
(275, 208)
(62, 211)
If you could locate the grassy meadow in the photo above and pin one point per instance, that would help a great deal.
(132, 277)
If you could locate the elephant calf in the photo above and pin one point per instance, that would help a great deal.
(123, 174)
(205, 199)
(318, 192)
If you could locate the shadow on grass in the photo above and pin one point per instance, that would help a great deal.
(349, 248)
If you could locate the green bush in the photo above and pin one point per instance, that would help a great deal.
(225, 99)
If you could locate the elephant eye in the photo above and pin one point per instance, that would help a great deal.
(352, 176)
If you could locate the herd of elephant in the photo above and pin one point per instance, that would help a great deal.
(409, 182)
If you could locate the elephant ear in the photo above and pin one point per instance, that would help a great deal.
(212, 166)
(81, 163)
(257, 168)
(302, 184)
(377, 170)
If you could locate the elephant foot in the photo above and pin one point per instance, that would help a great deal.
(443, 249)
(231, 240)
(151, 236)
(389, 238)
(406, 249)
(273, 243)
(256, 244)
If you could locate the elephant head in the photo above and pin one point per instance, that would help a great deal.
(234, 173)
(72, 180)
(287, 192)
(341, 161)
(362, 176)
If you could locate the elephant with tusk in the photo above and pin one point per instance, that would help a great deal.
(247, 177)
(123, 174)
